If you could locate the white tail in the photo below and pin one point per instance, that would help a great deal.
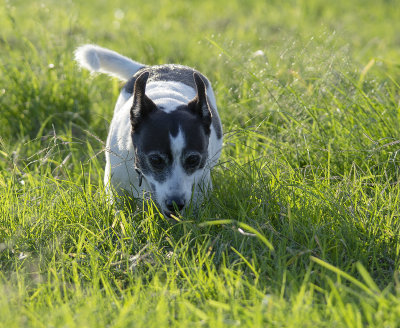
(98, 59)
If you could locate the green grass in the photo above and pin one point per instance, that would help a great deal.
(302, 228)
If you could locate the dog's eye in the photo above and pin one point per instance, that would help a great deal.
(192, 160)
(156, 161)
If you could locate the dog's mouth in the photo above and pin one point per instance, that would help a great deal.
(172, 209)
(172, 217)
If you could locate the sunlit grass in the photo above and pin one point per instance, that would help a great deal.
(302, 228)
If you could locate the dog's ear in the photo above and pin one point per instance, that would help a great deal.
(199, 104)
(142, 105)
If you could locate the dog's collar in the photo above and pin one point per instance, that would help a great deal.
(140, 175)
(138, 171)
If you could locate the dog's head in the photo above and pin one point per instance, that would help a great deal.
(171, 148)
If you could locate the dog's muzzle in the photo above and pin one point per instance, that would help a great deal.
(174, 204)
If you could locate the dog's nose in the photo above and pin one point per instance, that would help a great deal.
(175, 203)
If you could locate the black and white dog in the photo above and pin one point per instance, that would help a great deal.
(165, 131)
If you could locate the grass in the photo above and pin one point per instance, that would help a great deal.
(302, 228)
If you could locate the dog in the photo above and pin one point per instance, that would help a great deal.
(165, 135)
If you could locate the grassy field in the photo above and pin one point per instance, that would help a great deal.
(302, 228)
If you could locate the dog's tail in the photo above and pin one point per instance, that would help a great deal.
(98, 59)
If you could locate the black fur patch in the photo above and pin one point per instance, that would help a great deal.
(142, 105)
(153, 136)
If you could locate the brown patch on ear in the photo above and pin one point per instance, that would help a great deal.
(199, 104)
(142, 105)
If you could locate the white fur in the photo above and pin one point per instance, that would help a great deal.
(98, 59)
(120, 174)
(169, 94)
